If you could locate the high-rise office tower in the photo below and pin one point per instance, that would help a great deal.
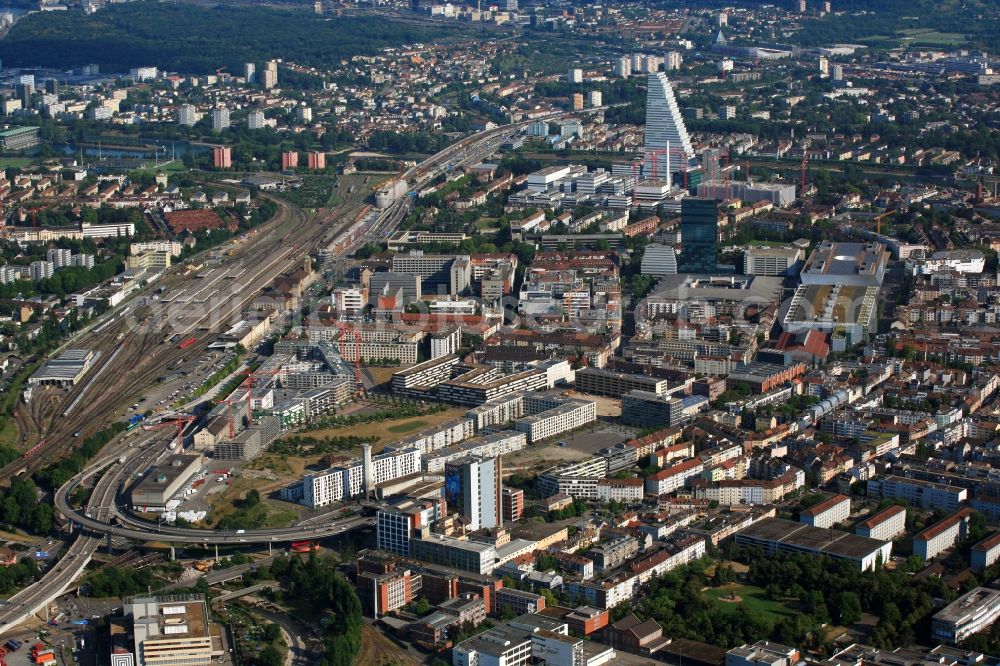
(472, 486)
(699, 235)
(667, 141)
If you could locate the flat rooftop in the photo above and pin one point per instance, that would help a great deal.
(806, 537)
(845, 259)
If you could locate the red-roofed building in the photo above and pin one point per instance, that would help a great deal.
(827, 513)
(885, 525)
(942, 535)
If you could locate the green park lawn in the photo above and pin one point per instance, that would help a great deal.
(752, 597)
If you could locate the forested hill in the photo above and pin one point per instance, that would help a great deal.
(192, 39)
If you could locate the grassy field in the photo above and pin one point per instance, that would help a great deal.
(752, 597)
(266, 513)
(9, 433)
(932, 37)
(388, 431)
(19, 162)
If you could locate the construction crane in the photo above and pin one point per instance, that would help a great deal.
(248, 384)
(346, 330)
(180, 422)
(229, 415)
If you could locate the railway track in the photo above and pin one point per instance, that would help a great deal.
(131, 358)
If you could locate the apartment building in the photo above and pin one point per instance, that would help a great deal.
(578, 479)
(569, 415)
(498, 411)
(885, 525)
(673, 478)
(827, 513)
(493, 445)
(924, 494)
(942, 535)
(986, 552)
(346, 481)
(427, 374)
(620, 490)
(614, 554)
(479, 558)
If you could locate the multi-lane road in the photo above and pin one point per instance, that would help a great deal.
(145, 355)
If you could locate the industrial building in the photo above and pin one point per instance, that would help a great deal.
(776, 535)
(173, 630)
(161, 483)
(65, 370)
(846, 264)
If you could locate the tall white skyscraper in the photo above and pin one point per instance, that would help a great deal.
(667, 139)
(472, 486)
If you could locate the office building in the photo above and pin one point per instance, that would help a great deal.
(498, 646)
(472, 487)
(763, 653)
(615, 384)
(659, 260)
(220, 119)
(971, 613)
(173, 630)
(477, 557)
(667, 138)
(699, 235)
(187, 115)
(775, 261)
(398, 524)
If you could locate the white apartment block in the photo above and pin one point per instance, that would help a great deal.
(673, 478)
(431, 439)
(339, 483)
(942, 535)
(488, 446)
(563, 418)
(925, 494)
(620, 490)
(498, 411)
(884, 526)
(827, 513)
